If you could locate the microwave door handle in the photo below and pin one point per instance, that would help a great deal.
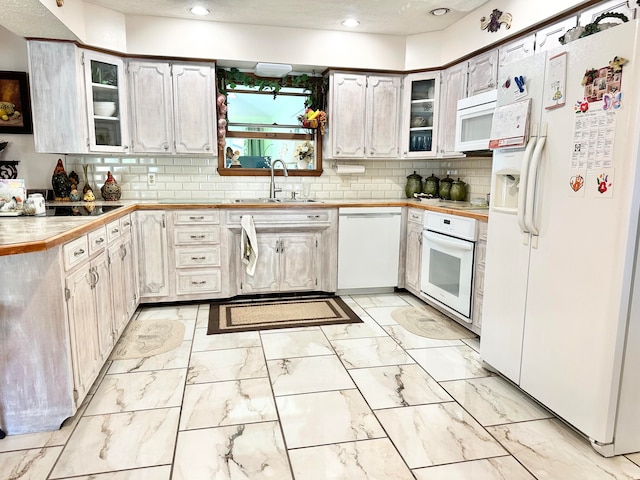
(533, 181)
(524, 176)
(439, 240)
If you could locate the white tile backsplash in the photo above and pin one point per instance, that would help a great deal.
(197, 178)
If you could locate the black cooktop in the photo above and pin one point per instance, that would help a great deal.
(79, 210)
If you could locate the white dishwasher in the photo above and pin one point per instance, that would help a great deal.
(368, 247)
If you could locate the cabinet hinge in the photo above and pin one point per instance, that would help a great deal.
(75, 395)
(316, 282)
(240, 285)
(316, 243)
(67, 294)
(82, 58)
(163, 224)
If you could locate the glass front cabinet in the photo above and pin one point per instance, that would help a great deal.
(421, 91)
(106, 103)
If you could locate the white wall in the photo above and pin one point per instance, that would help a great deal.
(252, 43)
(105, 28)
(35, 168)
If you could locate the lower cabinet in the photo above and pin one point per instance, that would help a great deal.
(153, 253)
(413, 255)
(286, 262)
(478, 275)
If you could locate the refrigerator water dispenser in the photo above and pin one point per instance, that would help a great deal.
(505, 194)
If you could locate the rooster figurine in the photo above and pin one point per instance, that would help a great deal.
(60, 183)
(110, 190)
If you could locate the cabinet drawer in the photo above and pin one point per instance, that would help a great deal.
(482, 231)
(478, 288)
(97, 240)
(481, 254)
(113, 230)
(280, 218)
(189, 217)
(198, 282)
(196, 236)
(125, 224)
(198, 257)
(75, 252)
(415, 215)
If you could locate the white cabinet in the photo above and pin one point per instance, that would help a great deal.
(419, 132)
(548, 37)
(478, 277)
(122, 275)
(453, 88)
(286, 262)
(413, 254)
(482, 73)
(365, 113)
(153, 254)
(173, 107)
(58, 100)
(517, 50)
(197, 254)
(106, 102)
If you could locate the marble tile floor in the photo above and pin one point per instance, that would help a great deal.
(366, 401)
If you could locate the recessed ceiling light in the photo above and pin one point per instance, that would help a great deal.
(350, 22)
(197, 10)
(438, 12)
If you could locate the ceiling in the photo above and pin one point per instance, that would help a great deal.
(392, 17)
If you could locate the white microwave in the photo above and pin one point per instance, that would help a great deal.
(473, 121)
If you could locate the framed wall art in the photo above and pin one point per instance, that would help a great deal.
(15, 106)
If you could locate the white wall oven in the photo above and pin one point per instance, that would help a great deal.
(448, 246)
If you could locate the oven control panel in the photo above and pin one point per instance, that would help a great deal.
(453, 225)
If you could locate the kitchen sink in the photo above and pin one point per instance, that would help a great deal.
(276, 200)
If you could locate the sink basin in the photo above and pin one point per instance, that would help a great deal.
(276, 200)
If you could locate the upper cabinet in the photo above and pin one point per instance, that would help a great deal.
(173, 107)
(365, 115)
(106, 103)
(548, 37)
(483, 73)
(453, 88)
(517, 50)
(421, 91)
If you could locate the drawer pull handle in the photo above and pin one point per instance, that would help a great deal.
(99, 240)
(78, 252)
(198, 259)
(197, 237)
(197, 218)
(313, 217)
(126, 224)
(115, 230)
(202, 282)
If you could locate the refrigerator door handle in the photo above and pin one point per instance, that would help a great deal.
(532, 183)
(524, 175)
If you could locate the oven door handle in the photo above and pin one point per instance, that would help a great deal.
(438, 239)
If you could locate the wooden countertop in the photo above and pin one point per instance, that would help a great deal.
(26, 234)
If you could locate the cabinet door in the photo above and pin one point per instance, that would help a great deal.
(194, 108)
(413, 256)
(616, 6)
(514, 51)
(128, 281)
(454, 88)
(298, 262)
(483, 73)
(153, 254)
(83, 330)
(57, 97)
(151, 106)
(548, 37)
(105, 298)
(106, 103)
(383, 116)
(420, 114)
(117, 287)
(265, 278)
(348, 114)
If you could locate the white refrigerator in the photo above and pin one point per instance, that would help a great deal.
(561, 311)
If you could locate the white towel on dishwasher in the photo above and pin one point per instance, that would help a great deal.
(248, 244)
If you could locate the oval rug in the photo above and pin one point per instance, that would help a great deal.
(429, 322)
(146, 338)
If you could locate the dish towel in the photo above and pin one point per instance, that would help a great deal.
(248, 244)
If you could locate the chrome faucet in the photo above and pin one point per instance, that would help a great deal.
(272, 186)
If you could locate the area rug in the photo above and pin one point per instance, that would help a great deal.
(249, 315)
(429, 322)
(146, 338)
